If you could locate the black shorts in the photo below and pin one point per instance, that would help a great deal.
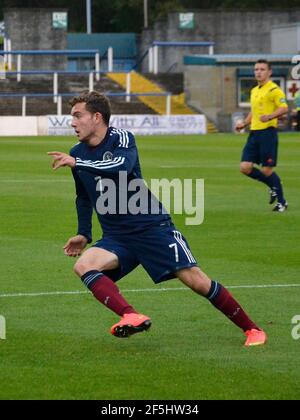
(161, 250)
(262, 147)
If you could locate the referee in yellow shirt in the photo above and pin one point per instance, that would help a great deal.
(268, 103)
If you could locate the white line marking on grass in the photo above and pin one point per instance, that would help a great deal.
(169, 289)
(197, 166)
(76, 292)
(31, 181)
(217, 165)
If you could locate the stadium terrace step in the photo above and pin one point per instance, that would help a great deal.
(111, 82)
(211, 128)
(72, 84)
(142, 84)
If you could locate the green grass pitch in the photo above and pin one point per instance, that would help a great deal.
(58, 346)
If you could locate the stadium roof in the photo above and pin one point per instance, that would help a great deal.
(233, 59)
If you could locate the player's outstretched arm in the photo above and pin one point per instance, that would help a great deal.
(62, 159)
(75, 246)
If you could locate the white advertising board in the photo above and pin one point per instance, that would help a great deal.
(138, 124)
(18, 126)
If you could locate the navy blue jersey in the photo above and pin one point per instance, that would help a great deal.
(108, 179)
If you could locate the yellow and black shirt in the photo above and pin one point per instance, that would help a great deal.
(265, 100)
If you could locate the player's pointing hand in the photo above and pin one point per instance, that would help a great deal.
(62, 159)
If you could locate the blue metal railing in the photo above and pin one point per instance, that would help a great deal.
(183, 43)
(73, 53)
(50, 52)
(57, 98)
(20, 95)
(51, 72)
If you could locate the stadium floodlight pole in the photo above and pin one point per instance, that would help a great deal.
(145, 14)
(88, 16)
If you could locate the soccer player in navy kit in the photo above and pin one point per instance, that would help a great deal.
(101, 158)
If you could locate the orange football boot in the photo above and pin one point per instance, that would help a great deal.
(255, 338)
(131, 324)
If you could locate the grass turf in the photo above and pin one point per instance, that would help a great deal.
(59, 346)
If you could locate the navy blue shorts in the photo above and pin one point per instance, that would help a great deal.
(262, 147)
(161, 250)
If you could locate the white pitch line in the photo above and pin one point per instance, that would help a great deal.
(196, 166)
(37, 294)
(169, 289)
(30, 181)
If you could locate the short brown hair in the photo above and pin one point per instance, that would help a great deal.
(95, 102)
(262, 61)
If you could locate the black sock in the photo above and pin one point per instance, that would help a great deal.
(259, 176)
(276, 185)
(214, 290)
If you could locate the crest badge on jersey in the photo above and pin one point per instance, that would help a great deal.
(107, 156)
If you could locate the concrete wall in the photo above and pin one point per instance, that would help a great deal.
(213, 91)
(219, 81)
(234, 32)
(198, 81)
(286, 39)
(31, 29)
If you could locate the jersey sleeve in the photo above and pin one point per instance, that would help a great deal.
(279, 98)
(124, 157)
(84, 209)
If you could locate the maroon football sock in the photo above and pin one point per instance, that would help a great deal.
(225, 303)
(105, 290)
